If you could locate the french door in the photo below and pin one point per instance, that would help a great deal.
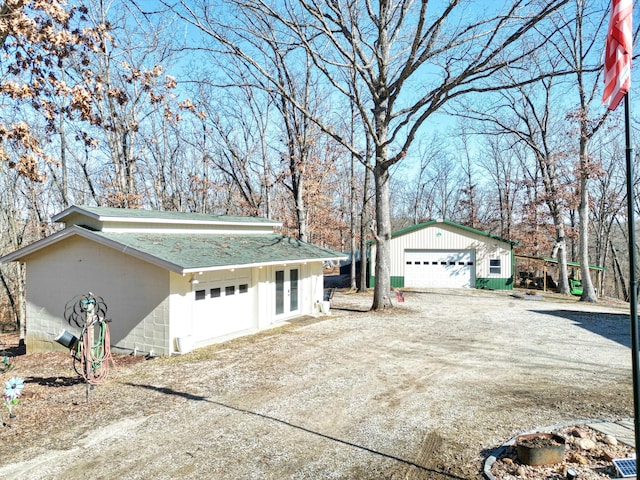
(287, 283)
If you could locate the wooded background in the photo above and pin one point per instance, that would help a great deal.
(345, 120)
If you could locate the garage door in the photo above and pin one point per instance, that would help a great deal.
(222, 308)
(439, 268)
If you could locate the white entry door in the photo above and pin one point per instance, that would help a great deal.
(287, 294)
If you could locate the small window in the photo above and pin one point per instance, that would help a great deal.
(434, 263)
(452, 263)
(443, 263)
(494, 266)
(460, 263)
(408, 263)
(201, 294)
(469, 263)
(417, 263)
(244, 288)
(230, 290)
(214, 292)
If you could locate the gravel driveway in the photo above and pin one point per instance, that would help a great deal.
(424, 390)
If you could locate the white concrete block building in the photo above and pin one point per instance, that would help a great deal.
(168, 279)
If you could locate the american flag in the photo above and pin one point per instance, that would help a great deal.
(618, 50)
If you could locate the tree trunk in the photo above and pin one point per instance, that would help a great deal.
(588, 292)
(619, 275)
(364, 225)
(382, 289)
(301, 209)
(352, 219)
(560, 250)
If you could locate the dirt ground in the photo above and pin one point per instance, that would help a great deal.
(426, 390)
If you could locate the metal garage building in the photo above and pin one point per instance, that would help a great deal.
(444, 254)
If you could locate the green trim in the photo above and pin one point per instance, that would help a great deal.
(413, 228)
(494, 283)
(396, 282)
(574, 264)
(481, 283)
(555, 260)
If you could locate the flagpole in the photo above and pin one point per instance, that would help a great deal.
(633, 283)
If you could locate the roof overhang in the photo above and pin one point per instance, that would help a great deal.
(69, 232)
(555, 262)
(430, 223)
(154, 219)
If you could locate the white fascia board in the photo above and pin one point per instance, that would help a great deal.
(187, 231)
(35, 246)
(73, 209)
(82, 232)
(260, 264)
(176, 221)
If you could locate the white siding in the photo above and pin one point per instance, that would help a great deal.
(181, 303)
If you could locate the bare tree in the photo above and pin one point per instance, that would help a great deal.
(386, 48)
(578, 45)
(468, 200)
(527, 115)
(500, 162)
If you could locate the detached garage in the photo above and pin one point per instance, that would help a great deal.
(443, 254)
(172, 281)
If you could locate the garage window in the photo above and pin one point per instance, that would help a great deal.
(230, 290)
(201, 294)
(244, 288)
(214, 292)
(494, 266)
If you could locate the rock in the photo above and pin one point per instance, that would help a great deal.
(577, 458)
(576, 432)
(585, 443)
(507, 461)
(610, 440)
(522, 472)
(608, 456)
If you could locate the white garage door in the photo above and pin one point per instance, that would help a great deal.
(222, 308)
(439, 268)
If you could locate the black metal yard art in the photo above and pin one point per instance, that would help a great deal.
(91, 351)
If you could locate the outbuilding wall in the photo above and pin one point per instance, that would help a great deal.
(261, 295)
(443, 237)
(135, 292)
(150, 307)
